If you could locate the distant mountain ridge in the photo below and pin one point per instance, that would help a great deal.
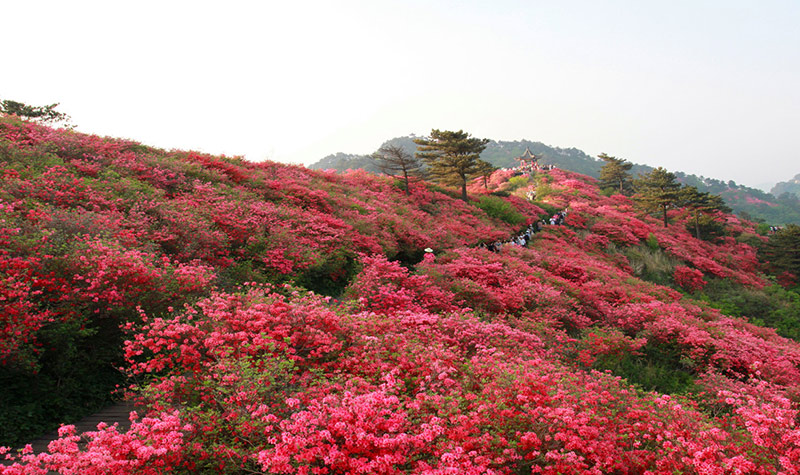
(750, 203)
(790, 186)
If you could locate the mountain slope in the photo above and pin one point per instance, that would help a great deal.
(747, 202)
(791, 186)
(599, 347)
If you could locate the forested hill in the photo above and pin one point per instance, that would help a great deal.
(274, 319)
(790, 186)
(747, 202)
(498, 153)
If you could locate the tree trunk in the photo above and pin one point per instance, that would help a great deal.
(405, 174)
(464, 190)
(664, 207)
(696, 225)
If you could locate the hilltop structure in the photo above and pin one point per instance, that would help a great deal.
(528, 161)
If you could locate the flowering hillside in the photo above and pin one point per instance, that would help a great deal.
(276, 319)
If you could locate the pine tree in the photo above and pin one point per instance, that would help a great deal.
(614, 174)
(43, 114)
(701, 203)
(657, 191)
(485, 170)
(452, 157)
(782, 252)
(394, 160)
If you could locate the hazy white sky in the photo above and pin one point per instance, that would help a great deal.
(705, 87)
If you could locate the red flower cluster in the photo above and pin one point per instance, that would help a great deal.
(469, 362)
(689, 279)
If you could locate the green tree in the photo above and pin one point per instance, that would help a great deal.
(452, 157)
(394, 160)
(485, 170)
(701, 203)
(43, 114)
(614, 174)
(657, 191)
(782, 252)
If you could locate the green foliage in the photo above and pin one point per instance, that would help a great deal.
(752, 240)
(792, 186)
(445, 191)
(782, 252)
(400, 185)
(485, 170)
(394, 160)
(615, 174)
(708, 228)
(762, 229)
(543, 190)
(549, 209)
(703, 206)
(772, 306)
(231, 277)
(517, 182)
(659, 366)
(43, 114)
(499, 208)
(653, 265)
(261, 380)
(766, 208)
(657, 191)
(75, 371)
(331, 275)
(452, 157)
(652, 242)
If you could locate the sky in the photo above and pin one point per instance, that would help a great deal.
(703, 87)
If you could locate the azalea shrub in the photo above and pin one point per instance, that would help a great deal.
(688, 278)
(269, 318)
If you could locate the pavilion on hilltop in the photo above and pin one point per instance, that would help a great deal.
(528, 160)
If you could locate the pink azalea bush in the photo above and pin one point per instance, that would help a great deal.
(457, 361)
(688, 278)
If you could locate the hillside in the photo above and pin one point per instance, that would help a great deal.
(276, 319)
(791, 186)
(747, 202)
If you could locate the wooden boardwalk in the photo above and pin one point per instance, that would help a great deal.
(117, 413)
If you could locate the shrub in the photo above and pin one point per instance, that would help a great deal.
(500, 209)
(773, 306)
(652, 242)
(331, 275)
(654, 266)
(516, 182)
(657, 367)
(710, 228)
(689, 279)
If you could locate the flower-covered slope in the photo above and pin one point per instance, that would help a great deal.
(458, 361)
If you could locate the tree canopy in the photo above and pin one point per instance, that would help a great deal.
(452, 157)
(701, 203)
(615, 174)
(43, 114)
(782, 252)
(657, 191)
(485, 170)
(394, 160)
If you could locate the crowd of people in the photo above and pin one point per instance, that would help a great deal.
(529, 168)
(523, 237)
